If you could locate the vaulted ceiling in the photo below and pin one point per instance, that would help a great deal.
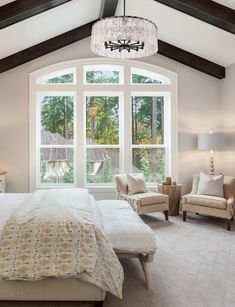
(198, 33)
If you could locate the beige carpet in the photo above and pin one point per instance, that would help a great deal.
(194, 267)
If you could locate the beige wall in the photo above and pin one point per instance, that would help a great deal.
(198, 111)
(227, 98)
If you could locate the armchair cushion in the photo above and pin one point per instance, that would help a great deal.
(207, 201)
(211, 185)
(136, 183)
(150, 198)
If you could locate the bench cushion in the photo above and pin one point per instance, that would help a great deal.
(124, 228)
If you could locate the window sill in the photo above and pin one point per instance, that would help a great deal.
(101, 189)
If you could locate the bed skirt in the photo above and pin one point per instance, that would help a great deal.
(51, 289)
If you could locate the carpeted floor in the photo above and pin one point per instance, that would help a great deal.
(194, 267)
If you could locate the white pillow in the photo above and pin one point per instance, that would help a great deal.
(211, 185)
(136, 183)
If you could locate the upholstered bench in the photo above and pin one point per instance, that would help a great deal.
(128, 234)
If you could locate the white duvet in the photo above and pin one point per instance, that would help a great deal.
(57, 233)
(124, 228)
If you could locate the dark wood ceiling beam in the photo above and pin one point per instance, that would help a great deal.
(191, 60)
(45, 47)
(22, 9)
(209, 11)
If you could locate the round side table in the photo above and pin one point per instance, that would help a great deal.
(174, 193)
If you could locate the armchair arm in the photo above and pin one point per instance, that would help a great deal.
(184, 199)
(195, 184)
(230, 203)
(134, 202)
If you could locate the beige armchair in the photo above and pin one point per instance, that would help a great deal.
(146, 202)
(211, 205)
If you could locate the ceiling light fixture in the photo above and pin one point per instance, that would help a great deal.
(124, 37)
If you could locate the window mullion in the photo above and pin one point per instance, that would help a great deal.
(56, 146)
(103, 146)
(150, 88)
(167, 128)
(148, 146)
(81, 130)
(126, 150)
(56, 87)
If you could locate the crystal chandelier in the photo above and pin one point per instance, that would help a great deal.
(124, 37)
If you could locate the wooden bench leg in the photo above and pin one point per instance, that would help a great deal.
(184, 215)
(147, 274)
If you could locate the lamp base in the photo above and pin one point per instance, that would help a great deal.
(212, 165)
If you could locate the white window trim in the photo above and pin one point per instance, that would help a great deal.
(125, 125)
(39, 146)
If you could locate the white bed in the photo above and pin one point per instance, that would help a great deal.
(128, 235)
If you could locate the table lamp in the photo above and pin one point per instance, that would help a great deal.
(211, 141)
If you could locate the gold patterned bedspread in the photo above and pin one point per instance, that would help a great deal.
(55, 234)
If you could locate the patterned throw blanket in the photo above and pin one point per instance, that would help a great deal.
(56, 233)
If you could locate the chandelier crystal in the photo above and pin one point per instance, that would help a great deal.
(124, 37)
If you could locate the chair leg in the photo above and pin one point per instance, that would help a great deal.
(166, 215)
(184, 215)
(98, 303)
(229, 224)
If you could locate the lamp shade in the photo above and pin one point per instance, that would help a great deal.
(208, 141)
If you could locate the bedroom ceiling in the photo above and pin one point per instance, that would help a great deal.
(3, 2)
(229, 3)
(46, 25)
(186, 32)
(176, 28)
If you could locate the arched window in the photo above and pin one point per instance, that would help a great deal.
(93, 118)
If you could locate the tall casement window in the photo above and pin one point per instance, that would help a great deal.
(91, 119)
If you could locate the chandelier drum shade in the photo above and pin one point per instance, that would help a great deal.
(124, 37)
